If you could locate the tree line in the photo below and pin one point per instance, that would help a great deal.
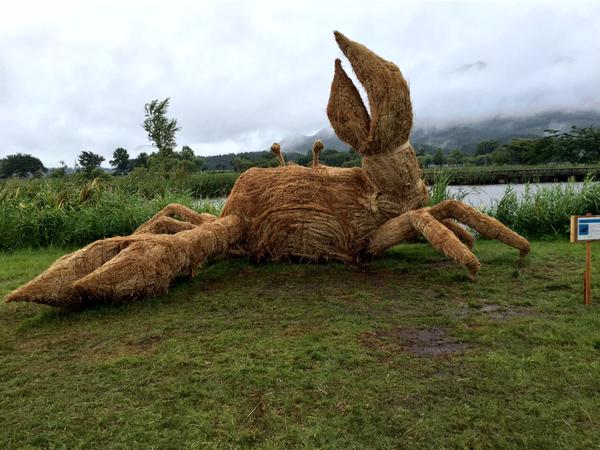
(577, 145)
(161, 132)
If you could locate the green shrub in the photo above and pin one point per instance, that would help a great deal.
(546, 212)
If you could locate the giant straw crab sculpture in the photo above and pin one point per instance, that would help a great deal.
(290, 212)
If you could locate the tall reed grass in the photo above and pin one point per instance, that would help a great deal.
(198, 185)
(540, 213)
(440, 190)
(70, 212)
(546, 211)
(37, 213)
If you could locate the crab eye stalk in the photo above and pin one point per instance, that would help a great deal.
(276, 149)
(316, 149)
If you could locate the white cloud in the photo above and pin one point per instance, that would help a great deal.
(75, 75)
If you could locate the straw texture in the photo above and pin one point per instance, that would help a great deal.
(122, 269)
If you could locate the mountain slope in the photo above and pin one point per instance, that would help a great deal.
(467, 136)
(462, 136)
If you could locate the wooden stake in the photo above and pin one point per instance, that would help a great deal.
(587, 281)
(587, 285)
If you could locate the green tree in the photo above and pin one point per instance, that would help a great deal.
(481, 160)
(580, 144)
(486, 147)
(89, 161)
(425, 160)
(59, 172)
(141, 160)
(240, 163)
(189, 160)
(500, 156)
(162, 164)
(161, 130)
(520, 151)
(439, 159)
(20, 165)
(187, 153)
(456, 157)
(121, 161)
(200, 162)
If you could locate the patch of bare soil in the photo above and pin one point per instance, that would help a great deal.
(422, 342)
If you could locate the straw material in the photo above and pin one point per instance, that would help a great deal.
(276, 149)
(302, 213)
(346, 110)
(388, 94)
(317, 147)
(122, 269)
(316, 213)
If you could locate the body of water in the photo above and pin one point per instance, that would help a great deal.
(483, 196)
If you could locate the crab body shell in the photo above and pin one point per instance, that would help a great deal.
(317, 213)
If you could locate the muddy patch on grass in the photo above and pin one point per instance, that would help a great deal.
(492, 311)
(431, 342)
(422, 342)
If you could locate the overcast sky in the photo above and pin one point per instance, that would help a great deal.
(75, 76)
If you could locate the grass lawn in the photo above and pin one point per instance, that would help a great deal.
(405, 353)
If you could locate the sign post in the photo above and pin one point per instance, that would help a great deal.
(587, 295)
(586, 228)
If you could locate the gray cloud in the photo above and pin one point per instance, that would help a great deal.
(75, 76)
(475, 66)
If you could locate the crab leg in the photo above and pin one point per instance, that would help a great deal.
(164, 225)
(166, 220)
(465, 237)
(402, 227)
(125, 268)
(485, 225)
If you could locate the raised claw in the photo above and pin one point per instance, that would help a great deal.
(485, 225)
(346, 110)
(388, 93)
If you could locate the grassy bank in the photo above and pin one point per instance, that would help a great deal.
(404, 354)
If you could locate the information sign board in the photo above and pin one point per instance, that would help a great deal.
(585, 228)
